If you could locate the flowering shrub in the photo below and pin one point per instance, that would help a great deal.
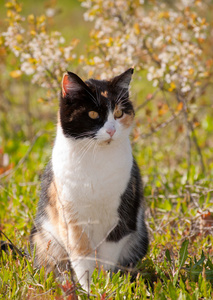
(167, 43)
(41, 54)
(164, 42)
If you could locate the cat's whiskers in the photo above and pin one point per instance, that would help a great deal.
(122, 105)
(88, 145)
(95, 150)
(85, 149)
(87, 134)
(97, 95)
(82, 142)
(95, 100)
(120, 96)
(124, 100)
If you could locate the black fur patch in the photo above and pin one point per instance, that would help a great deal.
(129, 207)
(43, 201)
(129, 219)
(47, 179)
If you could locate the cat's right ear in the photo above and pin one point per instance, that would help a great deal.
(71, 83)
(123, 80)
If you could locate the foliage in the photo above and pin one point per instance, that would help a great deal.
(166, 42)
(170, 49)
(41, 54)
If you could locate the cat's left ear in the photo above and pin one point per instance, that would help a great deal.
(71, 83)
(123, 80)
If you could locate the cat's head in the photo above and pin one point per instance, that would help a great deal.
(97, 109)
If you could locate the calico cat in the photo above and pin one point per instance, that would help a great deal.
(91, 209)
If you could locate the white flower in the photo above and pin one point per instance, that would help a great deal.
(27, 68)
(149, 77)
(158, 41)
(155, 83)
(86, 4)
(168, 78)
(62, 40)
(172, 68)
(185, 88)
(97, 59)
(50, 12)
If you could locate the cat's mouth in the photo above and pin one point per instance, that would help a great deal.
(107, 142)
(104, 142)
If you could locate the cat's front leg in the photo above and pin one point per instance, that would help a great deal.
(81, 254)
(84, 267)
(109, 253)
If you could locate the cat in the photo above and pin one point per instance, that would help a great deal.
(91, 208)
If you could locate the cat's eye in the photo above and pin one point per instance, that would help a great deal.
(93, 114)
(118, 113)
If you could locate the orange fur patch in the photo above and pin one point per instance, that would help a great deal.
(67, 238)
(52, 209)
(76, 113)
(75, 239)
(105, 94)
(49, 251)
(44, 253)
(65, 221)
(80, 245)
(127, 120)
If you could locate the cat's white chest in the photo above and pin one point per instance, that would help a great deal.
(92, 179)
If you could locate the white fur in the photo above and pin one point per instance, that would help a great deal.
(92, 175)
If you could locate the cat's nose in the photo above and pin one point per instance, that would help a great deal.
(111, 131)
(110, 128)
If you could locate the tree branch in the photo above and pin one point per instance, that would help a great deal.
(162, 125)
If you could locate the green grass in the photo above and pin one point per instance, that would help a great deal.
(179, 262)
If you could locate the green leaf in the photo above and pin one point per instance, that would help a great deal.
(172, 291)
(199, 262)
(167, 254)
(42, 274)
(50, 281)
(182, 258)
(182, 284)
(183, 253)
(209, 264)
(30, 268)
(209, 274)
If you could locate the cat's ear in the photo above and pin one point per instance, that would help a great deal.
(123, 80)
(71, 83)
